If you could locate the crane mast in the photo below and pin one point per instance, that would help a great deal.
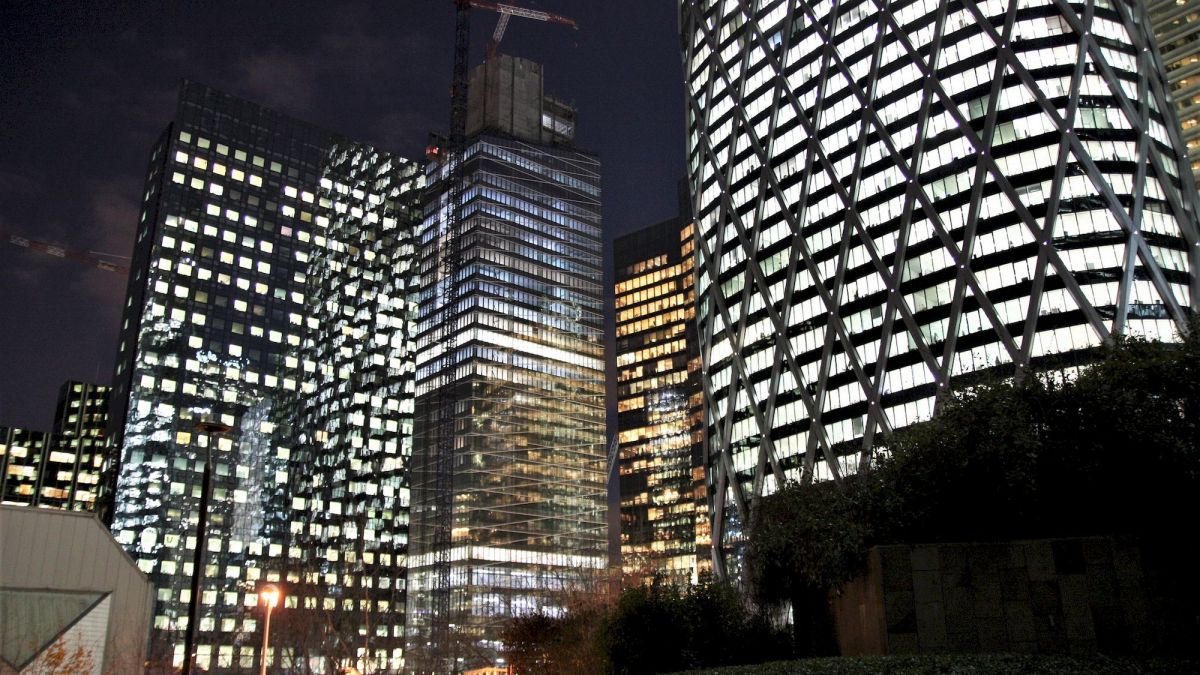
(449, 266)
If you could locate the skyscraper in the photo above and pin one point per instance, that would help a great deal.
(60, 468)
(1177, 29)
(520, 373)
(255, 231)
(893, 197)
(24, 454)
(664, 506)
(349, 427)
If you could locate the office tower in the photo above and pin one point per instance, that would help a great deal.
(1176, 26)
(80, 422)
(24, 454)
(351, 422)
(664, 507)
(60, 468)
(892, 198)
(525, 391)
(233, 233)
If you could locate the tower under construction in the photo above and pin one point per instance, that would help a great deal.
(508, 479)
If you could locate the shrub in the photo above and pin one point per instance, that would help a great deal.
(964, 664)
(655, 628)
(1113, 452)
(662, 627)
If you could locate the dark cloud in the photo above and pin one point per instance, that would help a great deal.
(15, 184)
(24, 270)
(114, 211)
(104, 101)
(403, 130)
(356, 49)
(150, 107)
(279, 79)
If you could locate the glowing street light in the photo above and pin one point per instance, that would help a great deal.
(269, 595)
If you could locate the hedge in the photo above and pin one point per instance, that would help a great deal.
(964, 664)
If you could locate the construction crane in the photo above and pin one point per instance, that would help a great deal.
(509, 11)
(451, 153)
(91, 258)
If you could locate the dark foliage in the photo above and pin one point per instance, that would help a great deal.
(656, 628)
(966, 664)
(531, 641)
(539, 644)
(663, 627)
(1111, 452)
(834, 525)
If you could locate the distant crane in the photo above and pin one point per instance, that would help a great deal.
(92, 258)
(449, 267)
(509, 11)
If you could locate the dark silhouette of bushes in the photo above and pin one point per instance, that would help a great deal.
(1112, 451)
(664, 627)
(657, 628)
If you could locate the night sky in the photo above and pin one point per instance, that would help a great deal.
(87, 87)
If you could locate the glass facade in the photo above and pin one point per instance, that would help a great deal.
(664, 508)
(893, 196)
(61, 468)
(520, 372)
(23, 457)
(241, 224)
(1176, 26)
(350, 425)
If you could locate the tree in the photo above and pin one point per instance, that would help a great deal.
(532, 643)
(569, 642)
(1110, 449)
(806, 541)
(666, 627)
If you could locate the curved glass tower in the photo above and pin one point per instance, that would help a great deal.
(894, 197)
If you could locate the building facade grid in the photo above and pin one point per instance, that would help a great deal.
(893, 196)
(61, 468)
(1177, 31)
(244, 243)
(525, 389)
(663, 498)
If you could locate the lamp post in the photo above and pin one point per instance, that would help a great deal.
(213, 429)
(269, 595)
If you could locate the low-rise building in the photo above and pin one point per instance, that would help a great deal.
(71, 600)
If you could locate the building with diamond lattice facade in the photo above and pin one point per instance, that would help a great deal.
(895, 196)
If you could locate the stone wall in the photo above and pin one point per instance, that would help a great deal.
(1047, 596)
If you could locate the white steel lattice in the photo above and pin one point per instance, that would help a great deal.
(893, 197)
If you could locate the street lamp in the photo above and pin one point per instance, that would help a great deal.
(269, 595)
(213, 429)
